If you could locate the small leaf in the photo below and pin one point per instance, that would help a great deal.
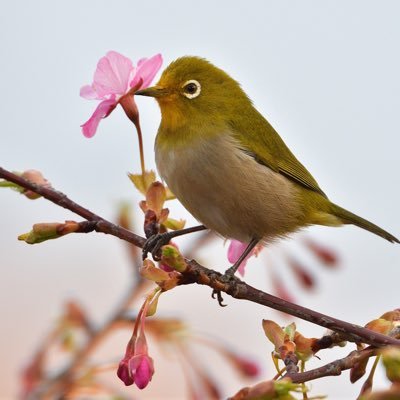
(391, 315)
(12, 185)
(153, 305)
(155, 197)
(142, 182)
(274, 333)
(151, 272)
(391, 361)
(290, 331)
(174, 224)
(380, 325)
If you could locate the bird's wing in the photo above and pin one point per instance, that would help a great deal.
(264, 144)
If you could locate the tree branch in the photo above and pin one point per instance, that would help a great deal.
(333, 368)
(197, 273)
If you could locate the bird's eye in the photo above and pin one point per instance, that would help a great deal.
(191, 89)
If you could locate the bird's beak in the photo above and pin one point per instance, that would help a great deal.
(154, 91)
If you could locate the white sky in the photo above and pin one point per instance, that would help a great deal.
(326, 74)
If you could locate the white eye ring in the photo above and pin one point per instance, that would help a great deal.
(191, 89)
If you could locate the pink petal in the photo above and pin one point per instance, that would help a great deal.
(144, 372)
(123, 373)
(141, 369)
(88, 93)
(146, 70)
(103, 110)
(235, 250)
(141, 61)
(112, 74)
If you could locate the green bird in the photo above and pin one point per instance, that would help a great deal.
(229, 167)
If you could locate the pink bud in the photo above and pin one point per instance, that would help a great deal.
(141, 369)
(304, 277)
(247, 367)
(36, 177)
(325, 255)
(123, 372)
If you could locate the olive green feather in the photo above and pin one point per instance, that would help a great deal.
(268, 148)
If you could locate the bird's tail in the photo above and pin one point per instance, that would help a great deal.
(349, 218)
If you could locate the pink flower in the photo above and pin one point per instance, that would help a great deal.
(115, 81)
(123, 372)
(141, 369)
(235, 250)
(137, 366)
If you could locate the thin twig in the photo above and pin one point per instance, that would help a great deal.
(333, 368)
(196, 273)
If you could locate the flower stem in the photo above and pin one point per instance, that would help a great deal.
(141, 152)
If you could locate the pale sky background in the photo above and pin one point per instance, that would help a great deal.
(325, 73)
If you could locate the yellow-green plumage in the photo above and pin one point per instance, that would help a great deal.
(227, 164)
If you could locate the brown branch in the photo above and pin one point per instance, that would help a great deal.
(333, 368)
(196, 273)
(268, 388)
(61, 200)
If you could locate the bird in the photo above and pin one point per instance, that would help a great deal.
(229, 167)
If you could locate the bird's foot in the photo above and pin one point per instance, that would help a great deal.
(154, 243)
(227, 278)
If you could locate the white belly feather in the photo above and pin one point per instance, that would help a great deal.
(228, 191)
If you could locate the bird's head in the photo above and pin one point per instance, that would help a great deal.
(193, 91)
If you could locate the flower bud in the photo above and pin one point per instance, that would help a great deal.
(173, 258)
(141, 368)
(124, 373)
(49, 230)
(35, 177)
(41, 232)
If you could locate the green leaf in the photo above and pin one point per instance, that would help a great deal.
(142, 182)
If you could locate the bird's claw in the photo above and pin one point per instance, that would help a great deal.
(218, 295)
(227, 278)
(153, 245)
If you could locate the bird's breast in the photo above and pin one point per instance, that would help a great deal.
(227, 190)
